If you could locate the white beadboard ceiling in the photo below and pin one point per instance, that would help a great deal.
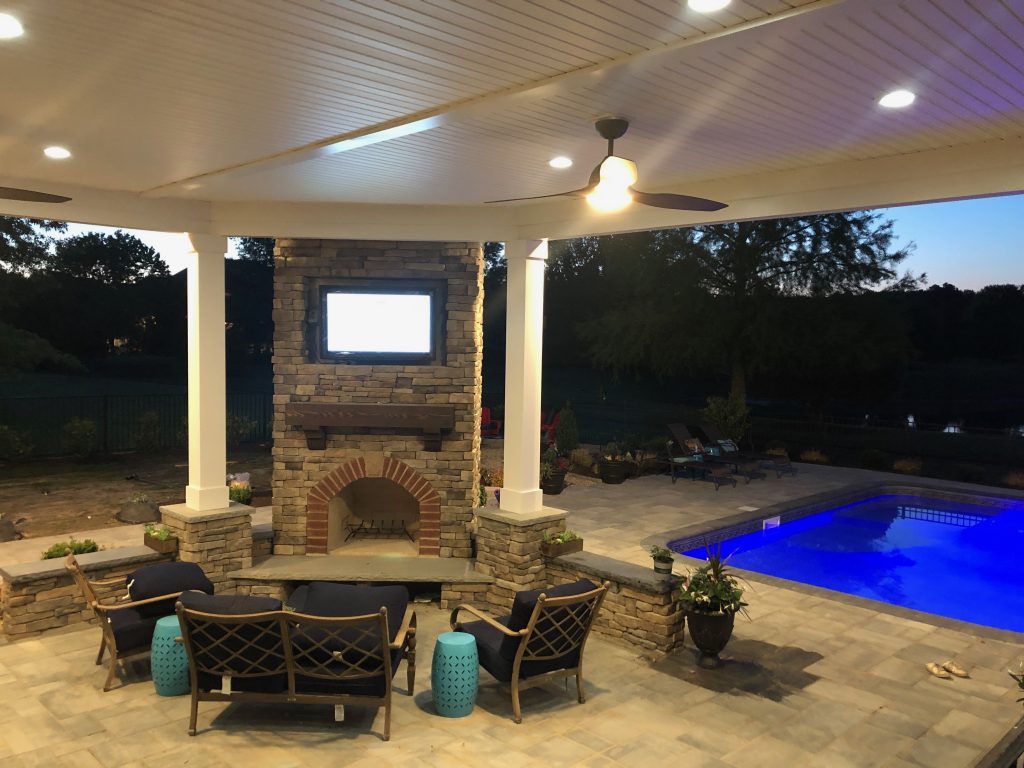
(229, 100)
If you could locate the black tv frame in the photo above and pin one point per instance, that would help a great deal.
(436, 289)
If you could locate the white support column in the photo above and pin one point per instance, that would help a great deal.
(207, 385)
(524, 334)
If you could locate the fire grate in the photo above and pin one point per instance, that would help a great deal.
(378, 529)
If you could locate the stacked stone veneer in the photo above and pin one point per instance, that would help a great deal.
(220, 541)
(453, 471)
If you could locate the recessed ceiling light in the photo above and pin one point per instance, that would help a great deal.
(560, 162)
(191, 186)
(10, 27)
(707, 6)
(897, 99)
(57, 153)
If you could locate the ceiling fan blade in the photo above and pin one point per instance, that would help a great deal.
(30, 196)
(677, 202)
(571, 193)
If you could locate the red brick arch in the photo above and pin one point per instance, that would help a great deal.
(355, 469)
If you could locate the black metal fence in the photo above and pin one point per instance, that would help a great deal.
(114, 423)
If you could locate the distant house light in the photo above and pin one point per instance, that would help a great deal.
(897, 99)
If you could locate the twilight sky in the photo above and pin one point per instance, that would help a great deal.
(969, 243)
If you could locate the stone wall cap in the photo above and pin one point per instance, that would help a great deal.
(23, 573)
(543, 515)
(626, 574)
(188, 515)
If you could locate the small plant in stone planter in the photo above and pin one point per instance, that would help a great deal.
(711, 596)
(561, 543)
(1019, 679)
(159, 539)
(662, 559)
(615, 464)
(239, 488)
(553, 469)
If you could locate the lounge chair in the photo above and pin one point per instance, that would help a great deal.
(779, 463)
(695, 465)
(748, 469)
(541, 640)
(127, 625)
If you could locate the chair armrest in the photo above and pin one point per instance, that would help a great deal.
(107, 582)
(108, 608)
(455, 623)
(408, 628)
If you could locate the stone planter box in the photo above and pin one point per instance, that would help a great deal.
(563, 548)
(168, 546)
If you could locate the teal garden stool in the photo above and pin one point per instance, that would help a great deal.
(168, 660)
(454, 674)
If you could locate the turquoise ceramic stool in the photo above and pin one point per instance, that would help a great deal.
(454, 674)
(168, 660)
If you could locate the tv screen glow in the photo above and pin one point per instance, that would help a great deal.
(398, 323)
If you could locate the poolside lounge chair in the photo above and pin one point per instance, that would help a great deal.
(541, 640)
(748, 469)
(694, 465)
(127, 626)
(773, 461)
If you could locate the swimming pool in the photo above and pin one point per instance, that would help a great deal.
(956, 559)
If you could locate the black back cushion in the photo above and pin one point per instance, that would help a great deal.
(324, 598)
(526, 601)
(165, 579)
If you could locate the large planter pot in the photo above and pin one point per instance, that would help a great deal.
(554, 483)
(166, 546)
(710, 633)
(613, 472)
(562, 548)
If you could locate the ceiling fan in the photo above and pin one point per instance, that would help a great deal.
(30, 196)
(611, 183)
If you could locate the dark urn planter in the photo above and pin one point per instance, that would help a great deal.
(613, 472)
(710, 633)
(554, 483)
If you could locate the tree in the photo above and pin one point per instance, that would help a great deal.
(24, 244)
(258, 249)
(684, 298)
(24, 351)
(116, 259)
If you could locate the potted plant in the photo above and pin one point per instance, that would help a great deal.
(159, 539)
(491, 480)
(1019, 678)
(615, 465)
(139, 510)
(711, 597)
(561, 543)
(552, 472)
(239, 488)
(662, 559)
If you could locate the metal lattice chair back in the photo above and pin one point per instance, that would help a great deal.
(560, 625)
(351, 648)
(248, 645)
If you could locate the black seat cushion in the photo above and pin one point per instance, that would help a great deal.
(131, 629)
(165, 579)
(526, 601)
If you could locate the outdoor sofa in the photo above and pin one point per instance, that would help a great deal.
(334, 644)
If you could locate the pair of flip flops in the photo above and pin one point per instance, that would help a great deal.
(947, 670)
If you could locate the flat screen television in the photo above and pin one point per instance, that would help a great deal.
(381, 321)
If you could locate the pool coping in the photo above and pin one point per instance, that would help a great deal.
(809, 505)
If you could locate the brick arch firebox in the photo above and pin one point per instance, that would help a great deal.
(394, 470)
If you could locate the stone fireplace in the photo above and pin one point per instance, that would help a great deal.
(374, 457)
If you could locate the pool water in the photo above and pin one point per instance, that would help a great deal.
(954, 559)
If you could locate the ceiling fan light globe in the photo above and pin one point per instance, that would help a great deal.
(618, 172)
(609, 198)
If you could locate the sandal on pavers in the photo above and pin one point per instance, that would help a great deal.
(938, 670)
(953, 668)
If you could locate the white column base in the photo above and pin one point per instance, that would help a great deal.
(521, 501)
(203, 499)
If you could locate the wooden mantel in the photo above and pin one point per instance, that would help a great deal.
(316, 418)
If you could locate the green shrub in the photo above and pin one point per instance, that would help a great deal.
(80, 437)
(908, 466)
(731, 416)
(72, 545)
(238, 430)
(561, 538)
(872, 458)
(14, 446)
(161, 532)
(581, 458)
(1014, 479)
(813, 456)
(147, 439)
(567, 433)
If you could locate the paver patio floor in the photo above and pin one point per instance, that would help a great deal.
(807, 681)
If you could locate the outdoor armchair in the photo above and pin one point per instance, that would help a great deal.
(127, 624)
(541, 640)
